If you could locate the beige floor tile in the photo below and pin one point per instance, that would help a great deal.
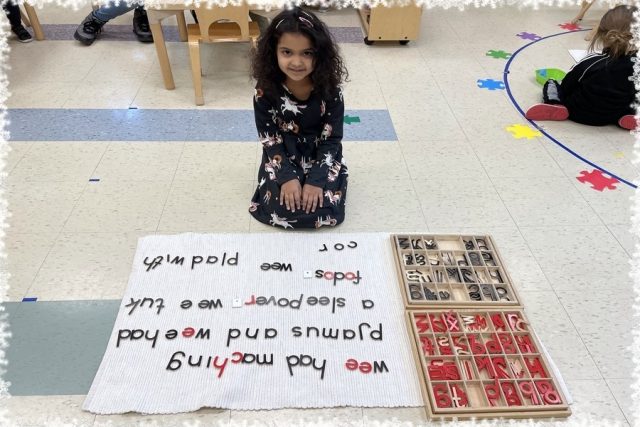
(113, 206)
(84, 266)
(25, 255)
(41, 206)
(59, 161)
(203, 206)
(139, 161)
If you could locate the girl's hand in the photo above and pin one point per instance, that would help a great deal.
(290, 193)
(311, 197)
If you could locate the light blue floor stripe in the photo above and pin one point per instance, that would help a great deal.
(48, 124)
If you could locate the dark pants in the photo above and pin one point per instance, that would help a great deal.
(552, 92)
(13, 13)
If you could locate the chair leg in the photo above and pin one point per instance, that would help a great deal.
(25, 19)
(34, 21)
(196, 70)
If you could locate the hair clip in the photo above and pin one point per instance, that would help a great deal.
(306, 21)
(279, 23)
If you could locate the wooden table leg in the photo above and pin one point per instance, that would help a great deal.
(182, 26)
(163, 56)
(34, 21)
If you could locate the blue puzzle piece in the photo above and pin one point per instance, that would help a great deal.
(528, 36)
(490, 84)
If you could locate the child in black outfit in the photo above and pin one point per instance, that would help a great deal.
(299, 110)
(599, 89)
(13, 13)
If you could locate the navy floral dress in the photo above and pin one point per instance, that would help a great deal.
(301, 140)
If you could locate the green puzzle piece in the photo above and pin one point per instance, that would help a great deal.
(498, 54)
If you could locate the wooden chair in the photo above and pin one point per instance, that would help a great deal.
(235, 28)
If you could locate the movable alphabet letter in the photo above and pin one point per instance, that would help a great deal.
(458, 396)
(548, 393)
(492, 391)
(186, 304)
(441, 395)
(270, 333)
(427, 346)
(232, 334)
(529, 391)
(221, 366)
(367, 304)
(351, 364)
(510, 394)
(437, 323)
(421, 323)
(525, 344)
(498, 322)
(484, 363)
(535, 367)
(171, 366)
(516, 323)
(196, 259)
(492, 344)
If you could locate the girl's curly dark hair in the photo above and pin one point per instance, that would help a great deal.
(328, 68)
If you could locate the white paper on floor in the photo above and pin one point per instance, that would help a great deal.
(155, 364)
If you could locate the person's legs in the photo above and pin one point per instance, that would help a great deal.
(112, 10)
(13, 13)
(552, 108)
(141, 25)
(89, 29)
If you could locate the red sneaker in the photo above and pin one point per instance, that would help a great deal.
(628, 122)
(547, 112)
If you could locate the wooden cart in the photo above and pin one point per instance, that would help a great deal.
(401, 23)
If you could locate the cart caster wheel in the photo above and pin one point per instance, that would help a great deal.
(367, 41)
(403, 42)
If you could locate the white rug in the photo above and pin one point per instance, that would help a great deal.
(146, 367)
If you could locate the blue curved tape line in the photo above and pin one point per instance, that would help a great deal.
(561, 145)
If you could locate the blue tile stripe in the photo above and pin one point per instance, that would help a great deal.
(50, 124)
(113, 32)
(29, 299)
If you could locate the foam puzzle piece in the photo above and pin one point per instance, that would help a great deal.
(523, 131)
(498, 54)
(528, 36)
(570, 26)
(490, 84)
(598, 180)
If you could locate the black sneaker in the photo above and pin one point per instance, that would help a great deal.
(141, 26)
(22, 34)
(88, 30)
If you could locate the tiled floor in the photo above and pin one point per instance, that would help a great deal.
(452, 168)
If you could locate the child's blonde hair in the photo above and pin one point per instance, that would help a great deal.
(614, 32)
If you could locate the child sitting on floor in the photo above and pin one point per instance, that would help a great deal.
(299, 110)
(599, 89)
